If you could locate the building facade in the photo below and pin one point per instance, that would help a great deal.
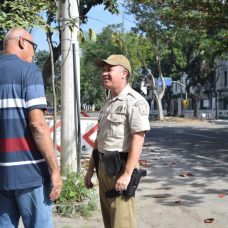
(212, 100)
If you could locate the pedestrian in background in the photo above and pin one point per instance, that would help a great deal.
(29, 172)
(123, 122)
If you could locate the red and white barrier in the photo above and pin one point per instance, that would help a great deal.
(89, 127)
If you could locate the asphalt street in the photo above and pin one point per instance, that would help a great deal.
(187, 182)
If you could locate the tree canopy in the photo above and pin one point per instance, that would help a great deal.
(110, 41)
(34, 13)
(188, 34)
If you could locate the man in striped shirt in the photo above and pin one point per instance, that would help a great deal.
(29, 173)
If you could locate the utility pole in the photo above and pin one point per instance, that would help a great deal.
(123, 29)
(181, 84)
(69, 26)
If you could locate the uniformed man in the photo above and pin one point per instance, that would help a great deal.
(123, 122)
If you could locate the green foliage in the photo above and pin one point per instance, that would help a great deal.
(188, 34)
(24, 13)
(86, 5)
(92, 35)
(75, 197)
(73, 190)
(92, 90)
(87, 209)
(110, 41)
(40, 59)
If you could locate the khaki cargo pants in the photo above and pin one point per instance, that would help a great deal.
(117, 212)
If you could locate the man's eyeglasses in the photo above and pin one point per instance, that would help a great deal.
(34, 45)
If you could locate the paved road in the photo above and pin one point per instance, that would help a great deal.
(208, 142)
(187, 179)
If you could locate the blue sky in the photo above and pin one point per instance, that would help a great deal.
(98, 18)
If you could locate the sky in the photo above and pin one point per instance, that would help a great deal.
(98, 18)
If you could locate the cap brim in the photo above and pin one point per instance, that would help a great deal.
(102, 62)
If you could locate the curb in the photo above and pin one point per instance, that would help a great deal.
(219, 122)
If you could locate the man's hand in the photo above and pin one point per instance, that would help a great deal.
(123, 182)
(56, 182)
(87, 178)
(137, 140)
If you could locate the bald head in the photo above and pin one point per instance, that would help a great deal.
(18, 41)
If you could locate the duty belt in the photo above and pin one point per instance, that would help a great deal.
(123, 155)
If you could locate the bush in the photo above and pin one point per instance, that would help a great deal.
(74, 196)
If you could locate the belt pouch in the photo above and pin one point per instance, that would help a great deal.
(112, 163)
(96, 159)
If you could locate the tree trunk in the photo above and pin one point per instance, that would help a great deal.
(160, 109)
(47, 66)
(53, 88)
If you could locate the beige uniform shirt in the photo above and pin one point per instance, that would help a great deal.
(121, 117)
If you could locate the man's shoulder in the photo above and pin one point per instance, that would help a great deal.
(17, 63)
(30, 66)
(136, 100)
(135, 97)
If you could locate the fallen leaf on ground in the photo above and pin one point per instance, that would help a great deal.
(144, 163)
(162, 195)
(172, 164)
(222, 195)
(209, 220)
(185, 174)
(164, 188)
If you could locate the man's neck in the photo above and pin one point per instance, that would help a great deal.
(117, 92)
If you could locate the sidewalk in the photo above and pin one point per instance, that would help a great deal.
(220, 122)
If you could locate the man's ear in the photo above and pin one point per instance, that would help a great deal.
(21, 43)
(125, 73)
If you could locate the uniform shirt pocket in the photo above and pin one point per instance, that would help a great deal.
(116, 124)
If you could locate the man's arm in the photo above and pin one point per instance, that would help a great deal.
(90, 170)
(137, 141)
(89, 173)
(42, 138)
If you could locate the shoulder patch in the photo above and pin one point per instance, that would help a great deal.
(142, 106)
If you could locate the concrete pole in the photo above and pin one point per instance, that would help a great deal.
(69, 16)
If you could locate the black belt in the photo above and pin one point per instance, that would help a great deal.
(123, 155)
(100, 156)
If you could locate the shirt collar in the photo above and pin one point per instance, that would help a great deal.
(123, 93)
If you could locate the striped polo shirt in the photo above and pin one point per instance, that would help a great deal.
(21, 90)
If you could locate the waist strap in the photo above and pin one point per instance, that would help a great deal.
(114, 162)
(123, 155)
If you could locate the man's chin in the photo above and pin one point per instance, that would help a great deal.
(107, 86)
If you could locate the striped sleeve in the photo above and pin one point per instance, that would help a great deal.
(35, 95)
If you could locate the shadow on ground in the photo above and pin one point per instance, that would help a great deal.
(186, 163)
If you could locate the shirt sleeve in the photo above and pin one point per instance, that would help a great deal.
(139, 117)
(35, 94)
